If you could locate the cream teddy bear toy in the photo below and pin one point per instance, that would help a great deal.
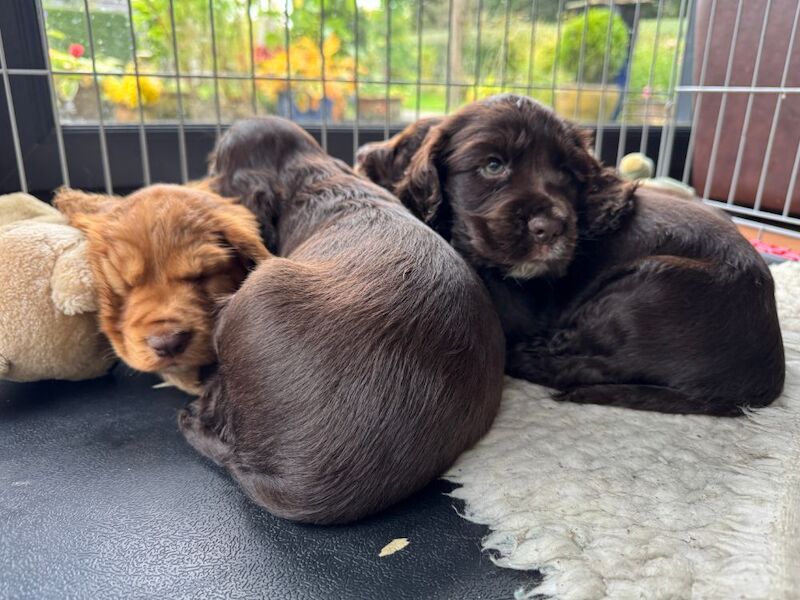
(48, 320)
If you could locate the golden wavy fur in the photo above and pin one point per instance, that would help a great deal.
(161, 258)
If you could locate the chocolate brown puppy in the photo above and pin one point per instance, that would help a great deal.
(357, 363)
(610, 294)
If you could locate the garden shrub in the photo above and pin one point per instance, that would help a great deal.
(594, 47)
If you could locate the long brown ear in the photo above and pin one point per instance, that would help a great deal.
(420, 189)
(385, 162)
(607, 198)
(85, 211)
(240, 229)
(73, 202)
(375, 161)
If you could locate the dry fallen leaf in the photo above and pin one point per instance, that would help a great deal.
(393, 546)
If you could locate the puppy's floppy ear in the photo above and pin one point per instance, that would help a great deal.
(385, 162)
(420, 190)
(83, 210)
(607, 198)
(239, 227)
(374, 161)
(71, 202)
(260, 191)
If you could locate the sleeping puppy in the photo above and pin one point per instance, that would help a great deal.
(609, 294)
(358, 363)
(161, 258)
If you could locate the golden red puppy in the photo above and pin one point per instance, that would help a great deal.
(161, 258)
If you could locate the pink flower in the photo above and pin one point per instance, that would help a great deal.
(260, 53)
(76, 50)
(646, 92)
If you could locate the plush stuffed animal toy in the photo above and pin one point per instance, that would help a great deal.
(48, 321)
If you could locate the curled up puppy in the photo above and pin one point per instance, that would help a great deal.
(162, 257)
(608, 293)
(356, 364)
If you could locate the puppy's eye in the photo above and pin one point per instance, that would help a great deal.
(196, 278)
(493, 167)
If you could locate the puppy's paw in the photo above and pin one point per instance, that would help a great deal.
(526, 361)
(189, 412)
(198, 427)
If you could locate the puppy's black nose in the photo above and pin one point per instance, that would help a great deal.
(545, 229)
(170, 344)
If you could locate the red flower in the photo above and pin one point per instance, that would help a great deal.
(261, 53)
(76, 50)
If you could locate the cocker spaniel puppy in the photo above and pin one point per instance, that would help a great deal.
(610, 294)
(356, 364)
(161, 258)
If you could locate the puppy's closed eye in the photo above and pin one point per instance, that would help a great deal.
(115, 281)
(196, 278)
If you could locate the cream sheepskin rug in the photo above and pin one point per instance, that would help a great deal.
(615, 503)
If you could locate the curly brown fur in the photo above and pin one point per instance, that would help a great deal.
(356, 365)
(609, 294)
(385, 162)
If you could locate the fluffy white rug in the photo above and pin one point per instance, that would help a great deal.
(615, 503)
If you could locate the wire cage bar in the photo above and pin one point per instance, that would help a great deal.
(12, 117)
(641, 73)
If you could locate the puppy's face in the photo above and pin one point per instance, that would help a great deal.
(512, 191)
(510, 183)
(161, 258)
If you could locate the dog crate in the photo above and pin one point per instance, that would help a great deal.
(115, 94)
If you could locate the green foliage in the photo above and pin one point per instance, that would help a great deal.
(153, 24)
(512, 61)
(595, 25)
(109, 30)
(665, 55)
